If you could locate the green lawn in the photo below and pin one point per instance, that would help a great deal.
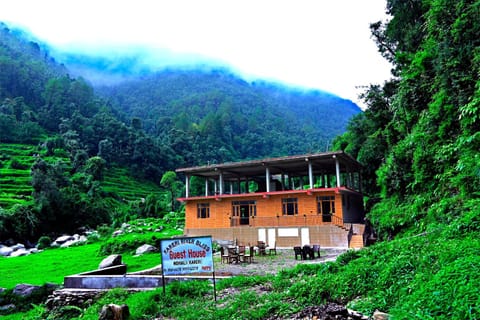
(52, 265)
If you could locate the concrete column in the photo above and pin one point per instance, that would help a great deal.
(187, 186)
(310, 175)
(206, 187)
(220, 181)
(337, 171)
(267, 178)
(215, 186)
(231, 187)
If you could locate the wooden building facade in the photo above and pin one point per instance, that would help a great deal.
(285, 201)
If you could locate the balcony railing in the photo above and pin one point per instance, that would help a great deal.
(286, 221)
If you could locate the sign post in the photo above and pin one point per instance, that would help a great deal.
(187, 255)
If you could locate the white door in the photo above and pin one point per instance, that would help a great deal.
(305, 236)
(271, 238)
(262, 236)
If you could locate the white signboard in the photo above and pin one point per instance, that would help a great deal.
(187, 255)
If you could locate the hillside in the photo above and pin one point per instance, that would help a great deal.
(242, 120)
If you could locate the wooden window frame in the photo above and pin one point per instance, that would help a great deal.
(203, 210)
(286, 203)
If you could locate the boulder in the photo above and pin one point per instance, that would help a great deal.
(24, 290)
(114, 312)
(6, 251)
(146, 248)
(76, 239)
(110, 261)
(20, 252)
(378, 315)
(61, 240)
(17, 246)
(117, 233)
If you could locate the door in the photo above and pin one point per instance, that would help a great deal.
(305, 236)
(244, 215)
(271, 237)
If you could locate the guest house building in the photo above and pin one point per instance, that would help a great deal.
(286, 201)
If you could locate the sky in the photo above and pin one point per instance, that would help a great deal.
(319, 44)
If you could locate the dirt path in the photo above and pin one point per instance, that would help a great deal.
(271, 264)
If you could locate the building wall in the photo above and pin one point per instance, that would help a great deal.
(325, 236)
(269, 210)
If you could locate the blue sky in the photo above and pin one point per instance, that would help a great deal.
(310, 43)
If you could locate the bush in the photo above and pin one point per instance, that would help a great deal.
(44, 242)
(15, 164)
(189, 289)
(127, 243)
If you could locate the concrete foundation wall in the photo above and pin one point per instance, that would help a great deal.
(325, 236)
(109, 282)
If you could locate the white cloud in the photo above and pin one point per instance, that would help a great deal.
(313, 43)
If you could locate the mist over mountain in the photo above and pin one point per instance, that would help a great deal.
(212, 107)
(197, 110)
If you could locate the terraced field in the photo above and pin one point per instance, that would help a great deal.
(17, 159)
(15, 163)
(118, 181)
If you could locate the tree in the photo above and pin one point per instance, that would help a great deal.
(170, 182)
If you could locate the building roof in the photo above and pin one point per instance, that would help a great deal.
(291, 165)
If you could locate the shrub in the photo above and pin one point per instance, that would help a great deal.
(127, 243)
(44, 242)
(15, 164)
(189, 289)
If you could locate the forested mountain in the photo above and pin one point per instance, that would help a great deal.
(213, 116)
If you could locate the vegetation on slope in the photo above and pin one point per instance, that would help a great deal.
(195, 110)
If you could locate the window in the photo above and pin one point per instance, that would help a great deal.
(203, 210)
(289, 206)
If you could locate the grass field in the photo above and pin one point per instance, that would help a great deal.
(52, 265)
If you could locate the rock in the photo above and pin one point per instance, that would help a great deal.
(125, 225)
(377, 315)
(18, 246)
(117, 233)
(76, 239)
(61, 240)
(25, 290)
(8, 308)
(110, 261)
(6, 251)
(146, 248)
(114, 312)
(2, 290)
(20, 252)
(10, 242)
